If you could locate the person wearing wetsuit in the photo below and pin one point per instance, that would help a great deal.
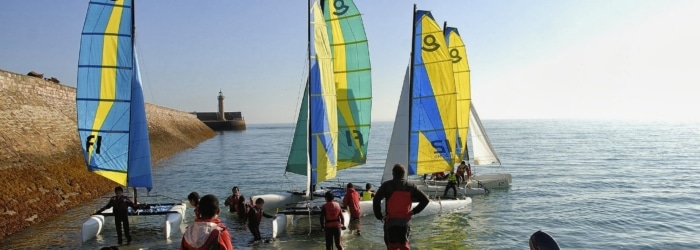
(399, 195)
(451, 183)
(120, 204)
(255, 214)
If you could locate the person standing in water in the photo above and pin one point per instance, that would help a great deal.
(332, 222)
(120, 204)
(352, 202)
(399, 195)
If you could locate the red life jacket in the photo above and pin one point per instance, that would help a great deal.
(333, 214)
(234, 203)
(399, 205)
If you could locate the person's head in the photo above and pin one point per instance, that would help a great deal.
(234, 190)
(368, 186)
(542, 241)
(350, 185)
(208, 206)
(193, 198)
(259, 202)
(241, 200)
(329, 196)
(464, 163)
(398, 172)
(452, 171)
(119, 191)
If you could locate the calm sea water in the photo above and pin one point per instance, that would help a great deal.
(590, 184)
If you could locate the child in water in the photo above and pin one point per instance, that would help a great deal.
(254, 216)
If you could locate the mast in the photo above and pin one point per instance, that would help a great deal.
(410, 86)
(308, 106)
(133, 69)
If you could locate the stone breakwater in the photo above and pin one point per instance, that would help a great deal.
(42, 171)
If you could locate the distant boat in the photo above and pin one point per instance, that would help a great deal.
(425, 129)
(111, 111)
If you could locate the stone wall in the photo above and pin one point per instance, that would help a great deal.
(42, 171)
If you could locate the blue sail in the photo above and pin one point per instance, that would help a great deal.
(433, 109)
(109, 99)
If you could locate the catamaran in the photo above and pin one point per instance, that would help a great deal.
(352, 76)
(317, 125)
(468, 124)
(111, 112)
(425, 129)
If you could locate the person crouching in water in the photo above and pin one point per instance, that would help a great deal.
(332, 221)
(207, 230)
(254, 216)
(232, 201)
(352, 202)
(194, 202)
(120, 204)
(242, 209)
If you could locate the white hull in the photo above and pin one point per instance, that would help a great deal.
(492, 181)
(173, 220)
(275, 202)
(440, 206)
(438, 191)
(93, 226)
(282, 221)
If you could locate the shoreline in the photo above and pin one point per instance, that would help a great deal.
(41, 164)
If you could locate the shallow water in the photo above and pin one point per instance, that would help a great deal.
(590, 184)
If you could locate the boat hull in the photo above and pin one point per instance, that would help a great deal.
(492, 181)
(173, 220)
(92, 227)
(438, 191)
(285, 219)
(275, 202)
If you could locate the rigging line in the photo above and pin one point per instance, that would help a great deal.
(144, 72)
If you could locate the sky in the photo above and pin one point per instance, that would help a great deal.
(529, 59)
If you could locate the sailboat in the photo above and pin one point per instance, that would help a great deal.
(425, 129)
(317, 125)
(484, 154)
(111, 111)
(353, 84)
(461, 72)
(469, 124)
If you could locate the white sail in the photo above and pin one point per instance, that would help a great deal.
(398, 146)
(483, 153)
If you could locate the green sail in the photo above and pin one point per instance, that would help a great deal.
(352, 79)
(297, 160)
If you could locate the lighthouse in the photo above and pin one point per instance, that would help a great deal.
(222, 120)
(222, 115)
